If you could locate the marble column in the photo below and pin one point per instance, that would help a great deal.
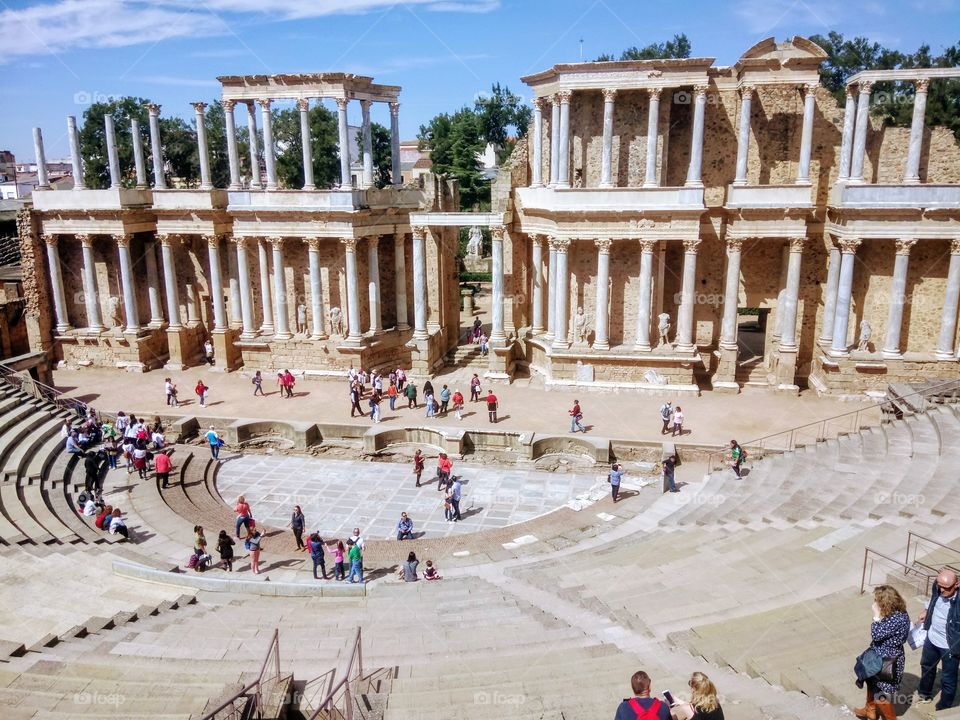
(653, 132)
(860, 132)
(685, 335)
(127, 280)
(255, 182)
(743, 138)
(830, 296)
(396, 175)
(91, 294)
(233, 154)
(233, 306)
(216, 282)
(846, 138)
(139, 163)
(806, 135)
(246, 296)
(841, 320)
(170, 282)
(400, 280)
(496, 310)
(266, 302)
(303, 105)
(316, 290)
(551, 291)
(373, 284)
(731, 295)
(74, 137)
(56, 283)
(696, 141)
(419, 283)
(898, 294)
(911, 175)
(537, 281)
(343, 145)
(269, 153)
(282, 323)
(203, 150)
(156, 148)
(367, 135)
(647, 246)
(791, 298)
(563, 165)
(601, 338)
(554, 139)
(948, 320)
(606, 158)
(353, 290)
(43, 183)
(537, 162)
(113, 160)
(560, 340)
(193, 303)
(153, 284)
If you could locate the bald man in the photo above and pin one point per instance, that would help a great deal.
(941, 620)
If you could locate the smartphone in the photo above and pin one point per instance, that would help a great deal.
(668, 697)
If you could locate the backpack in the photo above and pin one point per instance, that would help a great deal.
(651, 713)
(665, 411)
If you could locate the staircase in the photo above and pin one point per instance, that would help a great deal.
(466, 356)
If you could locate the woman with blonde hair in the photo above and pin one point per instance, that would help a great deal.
(888, 633)
(703, 703)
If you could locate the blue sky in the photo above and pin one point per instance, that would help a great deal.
(57, 55)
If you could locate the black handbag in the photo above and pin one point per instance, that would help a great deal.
(888, 672)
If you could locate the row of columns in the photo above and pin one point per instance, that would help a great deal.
(560, 139)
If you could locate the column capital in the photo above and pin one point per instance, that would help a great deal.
(734, 244)
(654, 93)
(86, 239)
(313, 243)
(849, 245)
(152, 108)
(648, 245)
(166, 239)
(797, 242)
(609, 94)
(365, 104)
(342, 103)
(419, 231)
(241, 242)
(277, 242)
(349, 244)
(690, 245)
(921, 85)
(848, 90)
(199, 106)
(394, 109)
(808, 88)
(303, 104)
(538, 103)
(52, 240)
(264, 103)
(904, 245)
(700, 90)
(211, 240)
(498, 232)
(865, 86)
(373, 241)
(746, 90)
(560, 244)
(603, 245)
(537, 239)
(562, 96)
(122, 240)
(955, 246)
(228, 105)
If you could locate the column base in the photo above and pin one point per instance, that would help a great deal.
(685, 348)
(247, 337)
(911, 180)
(61, 329)
(728, 346)
(892, 355)
(601, 345)
(651, 185)
(791, 348)
(286, 335)
(693, 183)
(802, 181)
(825, 342)
(562, 186)
(309, 188)
(944, 356)
(643, 347)
(266, 330)
(420, 335)
(833, 352)
(499, 338)
(319, 336)
(739, 183)
(560, 345)
(536, 331)
(402, 327)
(606, 185)
(155, 324)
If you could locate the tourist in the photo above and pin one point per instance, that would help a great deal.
(888, 633)
(225, 549)
(444, 400)
(428, 399)
(405, 527)
(253, 544)
(338, 554)
(73, 447)
(737, 455)
(257, 381)
(677, 422)
(140, 460)
(121, 423)
(430, 573)
(477, 330)
(455, 491)
(484, 348)
(576, 417)
(89, 505)
(199, 541)
(110, 450)
(401, 379)
(171, 391)
(117, 525)
(127, 447)
(202, 391)
(458, 404)
(448, 507)
(475, 388)
(492, 406)
(418, 464)
(355, 400)
(703, 704)
(91, 470)
(642, 705)
(282, 383)
(409, 569)
(941, 620)
(297, 523)
(392, 395)
(669, 466)
(208, 350)
(377, 382)
(356, 562)
(666, 414)
(157, 440)
(444, 470)
(614, 477)
(374, 403)
(104, 518)
(315, 543)
(244, 516)
(216, 442)
(411, 392)
(428, 388)
(289, 382)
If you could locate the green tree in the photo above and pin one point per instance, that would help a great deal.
(180, 153)
(215, 125)
(455, 143)
(93, 140)
(678, 47)
(289, 147)
(498, 112)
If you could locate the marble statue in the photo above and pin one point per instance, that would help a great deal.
(301, 318)
(866, 331)
(581, 326)
(113, 311)
(336, 321)
(475, 243)
(663, 327)
(578, 178)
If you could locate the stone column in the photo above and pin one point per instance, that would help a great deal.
(647, 246)
(246, 297)
(373, 284)
(42, 182)
(911, 175)
(170, 282)
(269, 154)
(216, 282)
(56, 283)
(554, 140)
(653, 131)
(303, 105)
(788, 335)
(266, 302)
(419, 283)
(282, 324)
(551, 291)
(606, 174)
(400, 280)
(948, 321)
(202, 149)
(860, 133)
(743, 139)
(537, 264)
(841, 321)
(731, 295)
(153, 284)
(696, 141)
(353, 290)
(830, 297)
(560, 340)
(367, 143)
(316, 290)
(396, 175)
(563, 166)
(846, 142)
(130, 310)
(138, 161)
(91, 295)
(233, 306)
(113, 160)
(74, 137)
(601, 338)
(233, 154)
(806, 136)
(898, 292)
(156, 148)
(343, 144)
(685, 337)
(537, 162)
(193, 303)
(255, 183)
(496, 309)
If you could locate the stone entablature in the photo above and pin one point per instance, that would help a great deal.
(296, 86)
(619, 75)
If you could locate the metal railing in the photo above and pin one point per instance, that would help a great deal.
(248, 702)
(915, 543)
(917, 575)
(339, 700)
(25, 383)
(815, 432)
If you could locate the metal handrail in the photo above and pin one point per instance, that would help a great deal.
(758, 443)
(908, 569)
(913, 543)
(254, 689)
(328, 704)
(42, 391)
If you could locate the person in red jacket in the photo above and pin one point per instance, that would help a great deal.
(444, 470)
(418, 465)
(162, 464)
(492, 406)
(576, 416)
